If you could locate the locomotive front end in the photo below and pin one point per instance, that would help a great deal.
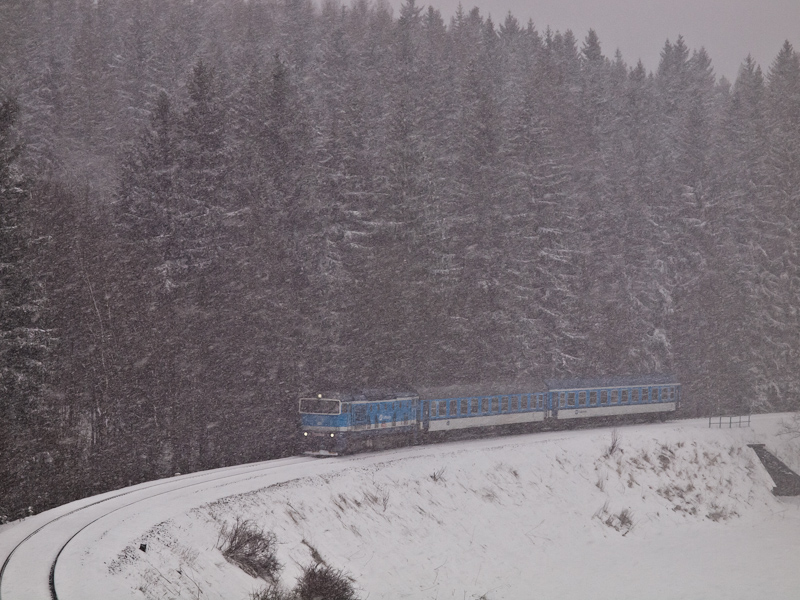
(323, 425)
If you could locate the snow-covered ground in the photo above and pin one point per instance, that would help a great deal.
(678, 511)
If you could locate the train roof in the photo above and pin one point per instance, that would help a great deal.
(520, 386)
(481, 389)
(611, 381)
(370, 395)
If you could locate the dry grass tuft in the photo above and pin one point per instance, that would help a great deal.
(250, 548)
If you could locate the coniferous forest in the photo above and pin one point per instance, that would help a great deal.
(211, 206)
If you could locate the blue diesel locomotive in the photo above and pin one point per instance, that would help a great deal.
(335, 422)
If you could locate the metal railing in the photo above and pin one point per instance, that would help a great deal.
(729, 421)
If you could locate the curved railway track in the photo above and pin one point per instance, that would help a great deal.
(30, 550)
(50, 556)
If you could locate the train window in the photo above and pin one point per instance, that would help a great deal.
(581, 398)
(592, 398)
(504, 404)
(623, 398)
(443, 409)
(453, 408)
(614, 397)
(671, 394)
(514, 403)
(484, 405)
(495, 404)
(434, 408)
(654, 394)
(570, 398)
(603, 398)
(464, 407)
(319, 406)
(474, 410)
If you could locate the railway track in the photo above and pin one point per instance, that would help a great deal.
(31, 551)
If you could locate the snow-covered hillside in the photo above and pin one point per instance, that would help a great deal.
(676, 511)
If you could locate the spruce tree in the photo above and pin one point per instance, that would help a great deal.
(24, 340)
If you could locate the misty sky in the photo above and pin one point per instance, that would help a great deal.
(728, 29)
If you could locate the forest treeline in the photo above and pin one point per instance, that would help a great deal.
(211, 206)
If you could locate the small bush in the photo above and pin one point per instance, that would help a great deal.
(625, 518)
(250, 548)
(318, 581)
(272, 592)
(438, 475)
(622, 522)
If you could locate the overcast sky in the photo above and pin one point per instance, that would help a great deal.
(728, 29)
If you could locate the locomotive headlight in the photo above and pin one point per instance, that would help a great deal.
(331, 435)
(305, 433)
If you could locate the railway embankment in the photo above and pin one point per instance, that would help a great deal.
(566, 513)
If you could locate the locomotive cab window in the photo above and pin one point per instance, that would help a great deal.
(319, 406)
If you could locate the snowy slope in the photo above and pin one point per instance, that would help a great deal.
(678, 511)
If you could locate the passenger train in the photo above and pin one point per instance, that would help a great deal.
(342, 422)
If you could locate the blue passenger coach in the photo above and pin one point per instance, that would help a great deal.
(465, 407)
(612, 396)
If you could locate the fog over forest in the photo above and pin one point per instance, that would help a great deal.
(211, 207)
